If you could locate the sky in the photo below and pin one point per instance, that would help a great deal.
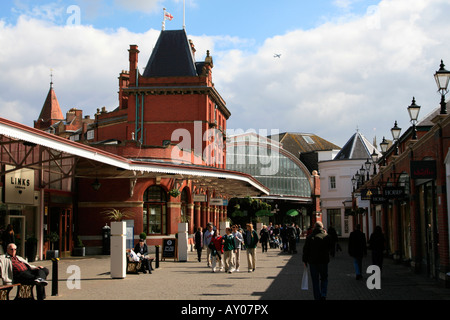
(344, 65)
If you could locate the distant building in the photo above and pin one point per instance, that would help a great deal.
(309, 148)
(336, 184)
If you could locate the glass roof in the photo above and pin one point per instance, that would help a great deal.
(281, 174)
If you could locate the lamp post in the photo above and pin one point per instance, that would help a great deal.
(368, 164)
(395, 135)
(384, 146)
(362, 172)
(442, 78)
(374, 157)
(413, 111)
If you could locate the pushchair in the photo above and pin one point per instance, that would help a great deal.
(275, 242)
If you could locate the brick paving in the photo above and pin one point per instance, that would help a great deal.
(277, 277)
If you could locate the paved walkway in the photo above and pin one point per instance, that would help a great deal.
(277, 277)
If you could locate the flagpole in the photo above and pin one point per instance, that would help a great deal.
(164, 19)
(184, 14)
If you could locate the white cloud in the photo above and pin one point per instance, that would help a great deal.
(329, 80)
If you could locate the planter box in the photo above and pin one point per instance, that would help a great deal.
(79, 251)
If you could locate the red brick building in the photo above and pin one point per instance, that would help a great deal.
(412, 197)
(168, 134)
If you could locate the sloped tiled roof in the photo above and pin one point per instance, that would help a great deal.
(357, 147)
(172, 56)
(297, 143)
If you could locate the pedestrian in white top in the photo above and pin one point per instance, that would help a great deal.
(209, 233)
(238, 240)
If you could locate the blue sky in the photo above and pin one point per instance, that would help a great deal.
(251, 19)
(345, 64)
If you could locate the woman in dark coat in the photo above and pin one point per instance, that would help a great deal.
(198, 239)
(376, 244)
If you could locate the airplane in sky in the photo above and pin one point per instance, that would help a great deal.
(277, 55)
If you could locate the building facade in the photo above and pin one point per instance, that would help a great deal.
(410, 197)
(159, 157)
(336, 175)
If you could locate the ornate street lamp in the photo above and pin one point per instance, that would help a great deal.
(368, 164)
(374, 157)
(362, 171)
(396, 135)
(354, 183)
(413, 111)
(442, 78)
(384, 145)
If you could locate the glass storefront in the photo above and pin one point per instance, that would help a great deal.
(24, 222)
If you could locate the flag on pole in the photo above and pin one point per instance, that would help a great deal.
(167, 16)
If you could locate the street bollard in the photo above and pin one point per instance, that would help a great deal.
(55, 276)
(157, 257)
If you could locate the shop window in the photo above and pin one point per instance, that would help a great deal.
(155, 211)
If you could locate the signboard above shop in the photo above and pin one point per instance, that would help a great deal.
(423, 169)
(394, 192)
(199, 197)
(19, 186)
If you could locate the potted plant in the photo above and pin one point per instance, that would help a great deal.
(174, 193)
(117, 215)
(31, 248)
(79, 250)
(53, 237)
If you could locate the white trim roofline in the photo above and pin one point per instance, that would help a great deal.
(22, 132)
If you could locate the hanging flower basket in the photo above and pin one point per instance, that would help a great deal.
(174, 193)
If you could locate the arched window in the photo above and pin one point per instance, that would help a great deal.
(155, 210)
(184, 202)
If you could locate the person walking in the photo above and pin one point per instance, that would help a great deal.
(251, 241)
(292, 238)
(198, 238)
(238, 241)
(316, 256)
(357, 248)
(264, 238)
(228, 250)
(208, 235)
(334, 238)
(376, 244)
(217, 252)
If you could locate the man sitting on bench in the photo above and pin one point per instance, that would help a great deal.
(17, 269)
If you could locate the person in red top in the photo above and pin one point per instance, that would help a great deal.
(217, 253)
(25, 273)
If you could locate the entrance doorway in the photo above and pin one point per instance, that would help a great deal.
(60, 223)
(429, 232)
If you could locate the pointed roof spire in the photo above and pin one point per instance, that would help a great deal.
(51, 111)
(357, 147)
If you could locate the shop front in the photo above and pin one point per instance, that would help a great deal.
(18, 209)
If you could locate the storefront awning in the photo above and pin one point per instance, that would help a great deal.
(110, 166)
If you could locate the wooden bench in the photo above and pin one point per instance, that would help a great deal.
(24, 291)
(5, 290)
(134, 266)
